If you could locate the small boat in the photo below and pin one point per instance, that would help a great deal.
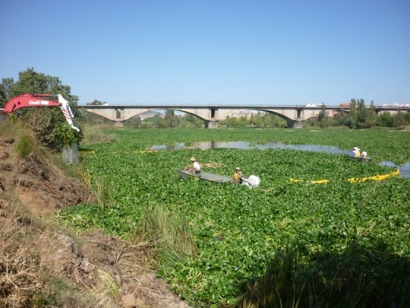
(360, 156)
(362, 159)
(206, 176)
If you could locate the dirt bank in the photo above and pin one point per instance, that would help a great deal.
(43, 264)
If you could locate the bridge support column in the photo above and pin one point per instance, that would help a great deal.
(118, 124)
(211, 124)
(297, 124)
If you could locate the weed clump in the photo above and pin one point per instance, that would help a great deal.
(170, 232)
(24, 145)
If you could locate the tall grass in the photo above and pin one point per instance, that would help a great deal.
(110, 284)
(97, 134)
(24, 145)
(169, 232)
(25, 141)
(282, 285)
(358, 278)
(103, 192)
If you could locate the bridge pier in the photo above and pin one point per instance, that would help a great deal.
(211, 124)
(297, 124)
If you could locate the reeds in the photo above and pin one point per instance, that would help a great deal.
(24, 144)
(170, 233)
(360, 277)
(282, 285)
(95, 134)
(103, 192)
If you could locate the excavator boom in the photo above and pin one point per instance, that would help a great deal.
(40, 100)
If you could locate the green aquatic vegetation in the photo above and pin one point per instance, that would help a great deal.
(238, 231)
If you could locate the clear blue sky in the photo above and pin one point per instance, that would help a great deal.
(213, 52)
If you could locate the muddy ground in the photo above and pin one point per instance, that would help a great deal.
(43, 264)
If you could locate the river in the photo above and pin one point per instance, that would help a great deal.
(206, 145)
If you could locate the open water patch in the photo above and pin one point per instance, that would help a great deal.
(404, 169)
(245, 145)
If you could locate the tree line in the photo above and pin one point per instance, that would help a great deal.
(171, 120)
(360, 116)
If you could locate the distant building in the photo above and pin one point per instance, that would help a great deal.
(314, 105)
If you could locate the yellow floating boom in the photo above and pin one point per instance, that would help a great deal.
(375, 177)
(381, 177)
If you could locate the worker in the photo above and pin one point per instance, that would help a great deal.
(194, 167)
(356, 152)
(238, 176)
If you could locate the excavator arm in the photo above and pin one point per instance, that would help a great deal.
(41, 100)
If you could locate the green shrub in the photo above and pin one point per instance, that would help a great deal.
(64, 135)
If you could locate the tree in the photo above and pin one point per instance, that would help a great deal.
(357, 114)
(272, 120)
(38, 83)
(154, 122)
(361, 115)
(171, 119)
(189, 120)
(371, 116)
(256, 120)
(5, 90)
(385, 119)
(135, 122)
(322, 116)
(399, 119)
(42, 122)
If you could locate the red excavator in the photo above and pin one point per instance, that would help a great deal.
(40, 100)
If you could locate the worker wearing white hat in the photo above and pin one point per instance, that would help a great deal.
(195, 167)
(356, 152)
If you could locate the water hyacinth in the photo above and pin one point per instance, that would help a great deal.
(235, 234)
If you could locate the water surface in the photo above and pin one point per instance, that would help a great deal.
(245, 145)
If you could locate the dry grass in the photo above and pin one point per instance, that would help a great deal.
(42, 264)
(19, 278)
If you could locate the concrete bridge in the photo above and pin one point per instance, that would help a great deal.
(211, 114)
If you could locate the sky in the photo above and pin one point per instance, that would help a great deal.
(210, 52)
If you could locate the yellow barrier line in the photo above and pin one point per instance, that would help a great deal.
(381, 177)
